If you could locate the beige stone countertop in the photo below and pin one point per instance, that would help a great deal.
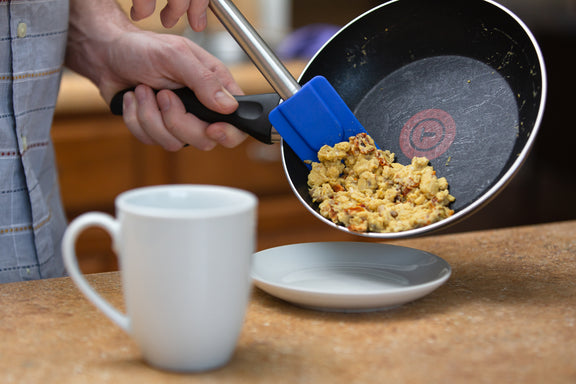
(507, 315)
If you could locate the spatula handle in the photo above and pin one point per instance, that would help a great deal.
(250, 117)
(256, 48)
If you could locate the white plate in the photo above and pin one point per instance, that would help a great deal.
(348, 276)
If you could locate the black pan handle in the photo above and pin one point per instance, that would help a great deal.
(250, 117)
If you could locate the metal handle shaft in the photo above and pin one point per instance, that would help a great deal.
(256, 48)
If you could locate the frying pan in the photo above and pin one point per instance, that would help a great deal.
(460, 82)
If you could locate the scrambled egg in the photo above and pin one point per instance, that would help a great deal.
(362, 188)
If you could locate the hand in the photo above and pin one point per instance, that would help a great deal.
(174, 9)
(164, 61)
(107, 48)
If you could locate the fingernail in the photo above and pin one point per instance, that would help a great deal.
(140, 94)
(220, 138)
(200, 23)
(225, 99)
(127, 101)
(164, 101)
(209, 146)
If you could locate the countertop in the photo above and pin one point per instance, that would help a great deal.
(507, 315)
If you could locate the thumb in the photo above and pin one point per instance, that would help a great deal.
(225, 101)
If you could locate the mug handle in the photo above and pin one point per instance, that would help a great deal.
(82, 222)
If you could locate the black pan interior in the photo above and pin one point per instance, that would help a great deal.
(457, 81)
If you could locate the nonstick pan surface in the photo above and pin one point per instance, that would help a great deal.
(460, 82)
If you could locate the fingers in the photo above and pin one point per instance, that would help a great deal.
(143, 118)
(142, 9)
(197, 14)
(191, 130)
(130, 115)
(212, 83)
(171, 13)
(184, 126)
(225, 134)
(162, 119)
(211, 91)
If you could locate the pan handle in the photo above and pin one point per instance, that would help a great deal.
(250, 117)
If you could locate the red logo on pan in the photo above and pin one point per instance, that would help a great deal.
(428, 133)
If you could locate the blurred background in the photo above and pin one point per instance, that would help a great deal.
(98, 158)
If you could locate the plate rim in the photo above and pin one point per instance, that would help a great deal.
(434, 282)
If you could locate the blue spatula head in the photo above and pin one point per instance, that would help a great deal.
(314, 116)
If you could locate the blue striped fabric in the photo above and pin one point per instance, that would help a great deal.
(32, 43)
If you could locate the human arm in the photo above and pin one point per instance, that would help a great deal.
(107, 48)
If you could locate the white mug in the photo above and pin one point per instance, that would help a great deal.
(185, 255)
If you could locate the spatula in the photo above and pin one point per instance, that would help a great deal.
(309, 117)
